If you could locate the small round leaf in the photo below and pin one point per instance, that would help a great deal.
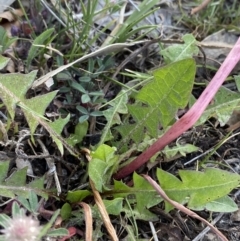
(83, 118)
(85, 98)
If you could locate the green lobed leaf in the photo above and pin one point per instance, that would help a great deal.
(144, 118)
(182, 149)
(77, 196)
(57, 126)
(98, 173)
(105, 153)
(36, 106)
(224, 204)
(102, 166)
(225, 101)
(142, 195)
(118, 106)
(18, 178)
(37, 186)
(7, 191)
(114, 207)
(130, 131)
(121, 189)
(169, 91)
(13, 88)
(161, 98)
(145, 194)
(181, 51)
(197, 188)
(140, 215)
(16, 183)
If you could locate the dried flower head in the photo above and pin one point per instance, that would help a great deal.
(22, 228)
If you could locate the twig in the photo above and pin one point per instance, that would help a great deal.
(200, 7)
(51, 166)
(200, 236)
(154, 233)
(197, 157)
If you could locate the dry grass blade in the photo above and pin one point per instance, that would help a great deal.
(88, 220)
(200, 7)
(118, 26)
(104, 213)
(183, 208)
(104, 50)
(201, 235)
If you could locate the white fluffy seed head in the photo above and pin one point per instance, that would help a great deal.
(22, 228)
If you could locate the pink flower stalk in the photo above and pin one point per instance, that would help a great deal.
(22, 228)
(190, 118)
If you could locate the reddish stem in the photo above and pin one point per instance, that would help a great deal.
(71, 232)
(190, 118)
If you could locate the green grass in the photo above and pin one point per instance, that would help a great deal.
(216, 16)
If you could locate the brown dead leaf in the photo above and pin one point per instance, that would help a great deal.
(11, 16)
(20, 66)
